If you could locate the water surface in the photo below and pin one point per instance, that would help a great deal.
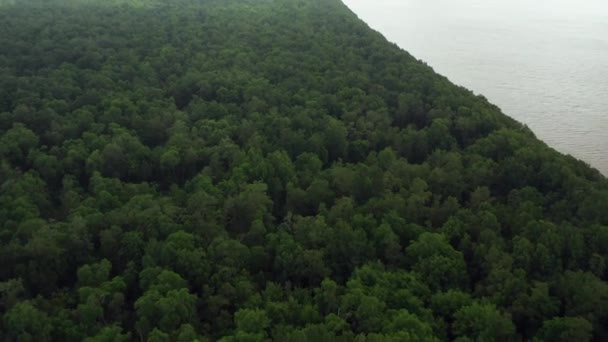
(544, 62)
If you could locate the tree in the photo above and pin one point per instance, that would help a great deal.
(16, 143)
(166, 304)
(583, 295)
(483, 322)
(438, 263)
(530, 309)
(566, 329)
(24, 322)
(409, 326)
(250, 204)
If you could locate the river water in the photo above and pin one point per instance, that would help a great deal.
(544, 62)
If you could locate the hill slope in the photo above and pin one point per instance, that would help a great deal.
(274, 169)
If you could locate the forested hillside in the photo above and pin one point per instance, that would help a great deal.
(251, 170)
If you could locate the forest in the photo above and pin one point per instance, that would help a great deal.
(274, 170)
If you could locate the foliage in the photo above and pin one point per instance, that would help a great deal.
(244, 170)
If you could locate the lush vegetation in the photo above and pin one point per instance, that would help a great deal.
(249, 170)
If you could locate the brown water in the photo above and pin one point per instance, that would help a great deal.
(544, 62)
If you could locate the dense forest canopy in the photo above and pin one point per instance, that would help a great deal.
(250, 170)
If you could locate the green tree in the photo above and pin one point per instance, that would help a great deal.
(483, 322)
(566, 329)
(438, 263)
(24, 322)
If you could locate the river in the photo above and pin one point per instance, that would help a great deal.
(543, 62)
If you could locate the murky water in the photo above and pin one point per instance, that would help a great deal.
(544, 62)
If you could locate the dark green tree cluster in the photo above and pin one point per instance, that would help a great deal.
(251, 170)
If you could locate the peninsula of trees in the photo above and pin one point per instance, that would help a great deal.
(256, 170)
